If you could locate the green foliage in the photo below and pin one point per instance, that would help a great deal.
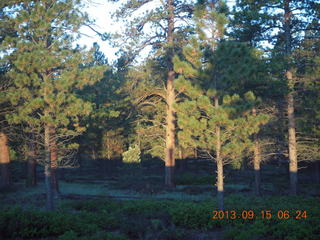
(47, 71)
(278, 228)
(110, 119)
(211, 20)
(29, 224)
(112, 143)
(156, 219)
(199, 118)
(148, 98)
(234, 76)
(150, 27)
(13, 154)
(308, 113)
(132, 155)
(189, 215)
(212, 98)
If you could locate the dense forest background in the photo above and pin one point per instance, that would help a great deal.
(232, 90)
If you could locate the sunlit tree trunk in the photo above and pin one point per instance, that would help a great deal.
(256, 161)
(292, 143)
(293, 164)
(180, 153)
(4, 160)
(170, 134)
(170, 99)
(220, 184)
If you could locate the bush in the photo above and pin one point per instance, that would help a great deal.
(147, 219)
(16, 222)
(194, 215)
(132, 155)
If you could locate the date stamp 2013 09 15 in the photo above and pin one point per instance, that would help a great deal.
(263, 214)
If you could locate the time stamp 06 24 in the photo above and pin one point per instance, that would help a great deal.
(263, 214)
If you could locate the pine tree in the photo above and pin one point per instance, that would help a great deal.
(6, 29)
(225, 127)
(46, 71)
(293, 18)
(4, 152)
(249, 74)
(307, 59)
(108, 123)
(166, 22)
(220, 132)
(149, 110)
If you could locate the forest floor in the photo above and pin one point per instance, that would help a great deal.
(141, 187)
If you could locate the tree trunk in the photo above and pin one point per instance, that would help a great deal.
(256, 166)
(4, 161)
(256, 161)
(180, 153)
(170, 134)
(220, 185)
(292, 143)
(31, 166)
(47, 170)
(54, 162)
(293, 165)
(170, 99)
(108, 148)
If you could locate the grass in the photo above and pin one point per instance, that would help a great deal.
(151, 215)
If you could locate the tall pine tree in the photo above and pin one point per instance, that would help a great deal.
(166, 19)
(47, 70)
(281, 24)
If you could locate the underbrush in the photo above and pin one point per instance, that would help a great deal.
(146, 219)
(191, 179)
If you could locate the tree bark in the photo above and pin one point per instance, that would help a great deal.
(292, 143)
(108, 148)
(4, 161)
(31, 166)
(256, 166)
(220, 184)
(180, 153)
(256, 161)
(47, 170)
(170, 99)
(293, 165)
(54, 162)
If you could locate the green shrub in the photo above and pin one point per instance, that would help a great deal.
(132, 155)
(16, 222)
(193, 215)
(147, 219)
